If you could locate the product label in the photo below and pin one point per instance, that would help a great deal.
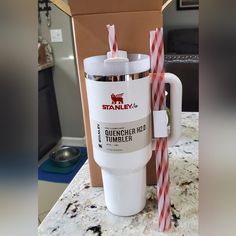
(121, 137)
(120, 114)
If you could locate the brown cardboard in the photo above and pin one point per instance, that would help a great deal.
(90, 36)
(88, 7)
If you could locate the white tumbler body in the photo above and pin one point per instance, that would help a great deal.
(120, 120)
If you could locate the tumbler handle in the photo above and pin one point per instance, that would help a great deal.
(176, 108)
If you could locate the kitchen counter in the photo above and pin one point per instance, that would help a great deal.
(45, 66)
(81, 209)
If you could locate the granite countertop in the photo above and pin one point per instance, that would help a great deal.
(45, 55)
(81, 209)
(45, 66)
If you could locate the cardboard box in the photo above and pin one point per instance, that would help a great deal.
(133, 20)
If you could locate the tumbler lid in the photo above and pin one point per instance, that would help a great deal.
(96, 65)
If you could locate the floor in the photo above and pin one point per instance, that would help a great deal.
(49, 192)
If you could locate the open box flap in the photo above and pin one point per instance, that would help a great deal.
(86, 7)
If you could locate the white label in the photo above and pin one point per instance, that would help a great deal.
(160, 121)
(123, 137)
(120, 114)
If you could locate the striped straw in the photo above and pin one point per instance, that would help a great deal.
(161, 152)
(112, 40)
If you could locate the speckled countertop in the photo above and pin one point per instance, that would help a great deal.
(45, 66)
(81, 209)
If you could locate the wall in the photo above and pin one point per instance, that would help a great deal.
(175, 19)
(65, 77)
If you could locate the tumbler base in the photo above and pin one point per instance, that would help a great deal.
(125, 193)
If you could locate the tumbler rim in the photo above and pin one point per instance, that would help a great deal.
(96, 65)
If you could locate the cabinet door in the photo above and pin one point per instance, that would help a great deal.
(48, 122)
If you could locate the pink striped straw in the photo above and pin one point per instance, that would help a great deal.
(112, 40)
(161, 151)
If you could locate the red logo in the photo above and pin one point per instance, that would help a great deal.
(117, 98)
(117, 103)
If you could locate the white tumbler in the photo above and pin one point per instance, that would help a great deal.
(119, 99)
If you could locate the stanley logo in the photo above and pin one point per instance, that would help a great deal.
(117, 103)
(118, 98)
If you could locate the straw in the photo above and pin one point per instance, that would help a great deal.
(161, 151)
(112, 40)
